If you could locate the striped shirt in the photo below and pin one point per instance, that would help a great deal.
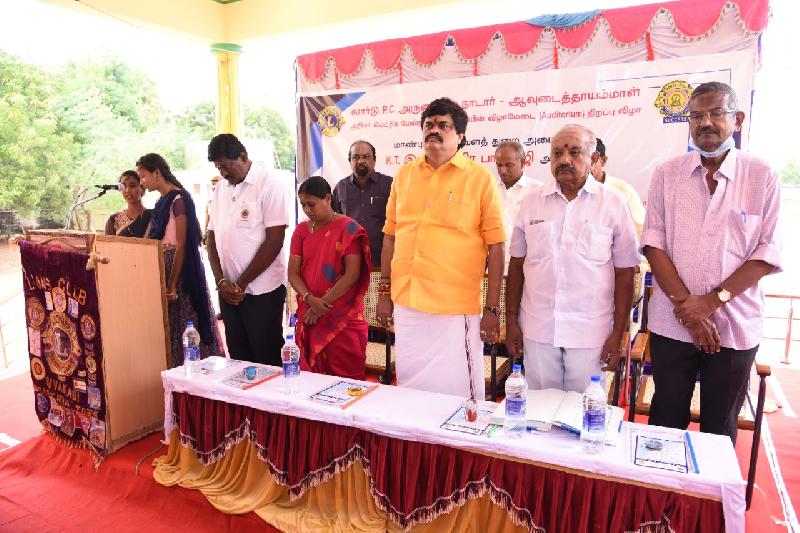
(708, 237)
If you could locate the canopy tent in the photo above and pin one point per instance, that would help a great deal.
(638, 33)
(580, 51)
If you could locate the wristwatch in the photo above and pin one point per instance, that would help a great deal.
(723, 294)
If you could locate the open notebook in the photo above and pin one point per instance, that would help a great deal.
(552, 407)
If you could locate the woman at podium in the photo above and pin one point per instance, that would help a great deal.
(134, 219)
(329, 268)
(174, 222)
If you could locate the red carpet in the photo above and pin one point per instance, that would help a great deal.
(47, 487)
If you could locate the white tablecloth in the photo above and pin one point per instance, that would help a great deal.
(417, 416)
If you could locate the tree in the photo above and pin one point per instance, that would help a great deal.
(267, 123)
(35, 150)
(198, 121)
(790, 174)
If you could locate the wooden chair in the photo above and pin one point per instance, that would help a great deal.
(750, 417)
(496, 371)
(380, 359)
(616, 379)
(380, 356)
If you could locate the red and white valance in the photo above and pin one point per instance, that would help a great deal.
(666, 29)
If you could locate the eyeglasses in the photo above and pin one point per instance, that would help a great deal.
(444, 126)
(715, 114)
(365, 157)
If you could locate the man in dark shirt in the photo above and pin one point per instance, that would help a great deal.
(362, 195)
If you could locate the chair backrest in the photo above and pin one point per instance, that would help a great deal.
(485, 288)
(371, 299)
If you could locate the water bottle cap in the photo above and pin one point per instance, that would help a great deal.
(289, 337)
(595, 379)
(293, 320)
(516, 368)
(190, 324)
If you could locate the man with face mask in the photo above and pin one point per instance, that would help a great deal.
(710, 235)
(568, 292)
(362, 195)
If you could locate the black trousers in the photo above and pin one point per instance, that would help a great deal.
(254, 328)
(724, 380)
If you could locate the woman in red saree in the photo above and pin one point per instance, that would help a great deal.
(329, 266)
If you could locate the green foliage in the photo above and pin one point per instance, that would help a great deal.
(790, 174)
(86, 122)
(82, 124)
(35, 151)
(267, 123)
(198, 121)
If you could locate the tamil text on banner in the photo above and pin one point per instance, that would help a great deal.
(64, 343)
(638, 109)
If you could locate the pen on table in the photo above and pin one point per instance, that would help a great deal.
(691, 453)
(492, 430)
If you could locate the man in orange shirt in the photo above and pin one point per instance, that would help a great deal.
(442, 219)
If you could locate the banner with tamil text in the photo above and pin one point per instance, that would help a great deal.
(638, 109)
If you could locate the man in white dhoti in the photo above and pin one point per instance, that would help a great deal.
(573, 251)
(443, 218)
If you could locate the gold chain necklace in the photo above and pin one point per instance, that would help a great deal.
(314, 224)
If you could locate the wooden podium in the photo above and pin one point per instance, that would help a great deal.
(134, 328)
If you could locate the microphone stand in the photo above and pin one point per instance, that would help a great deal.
(79, 202)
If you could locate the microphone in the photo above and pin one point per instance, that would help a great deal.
(109, 187)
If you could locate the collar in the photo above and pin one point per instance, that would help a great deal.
(370, 177)
(249, 178)
(521, 183)
(727, 169)
(459, 160)
(592, 186)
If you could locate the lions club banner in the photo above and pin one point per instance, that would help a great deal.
(64, 344)
(638, 109)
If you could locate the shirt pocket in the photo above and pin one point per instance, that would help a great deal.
(246, 215)
(594, 243)
(539, 239)
(457, 211)
(743, 233)
(377, 207)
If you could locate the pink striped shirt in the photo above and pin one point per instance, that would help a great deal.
(709, 237)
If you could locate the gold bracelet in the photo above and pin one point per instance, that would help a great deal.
(305, 296)
(221, 280)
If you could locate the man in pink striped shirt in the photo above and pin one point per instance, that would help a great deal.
(710, 235)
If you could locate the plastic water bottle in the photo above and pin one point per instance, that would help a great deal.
(593, 433)
(514, 424)
(191, 348)
(290, 355)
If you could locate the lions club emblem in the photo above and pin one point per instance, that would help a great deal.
(672, 101)
(61, 350)
(330, 121)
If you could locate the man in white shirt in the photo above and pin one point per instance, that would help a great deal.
(568, 292)
(512, 184)
(629, 194)
(249, 215)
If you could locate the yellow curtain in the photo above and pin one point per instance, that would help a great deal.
(240, 482)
